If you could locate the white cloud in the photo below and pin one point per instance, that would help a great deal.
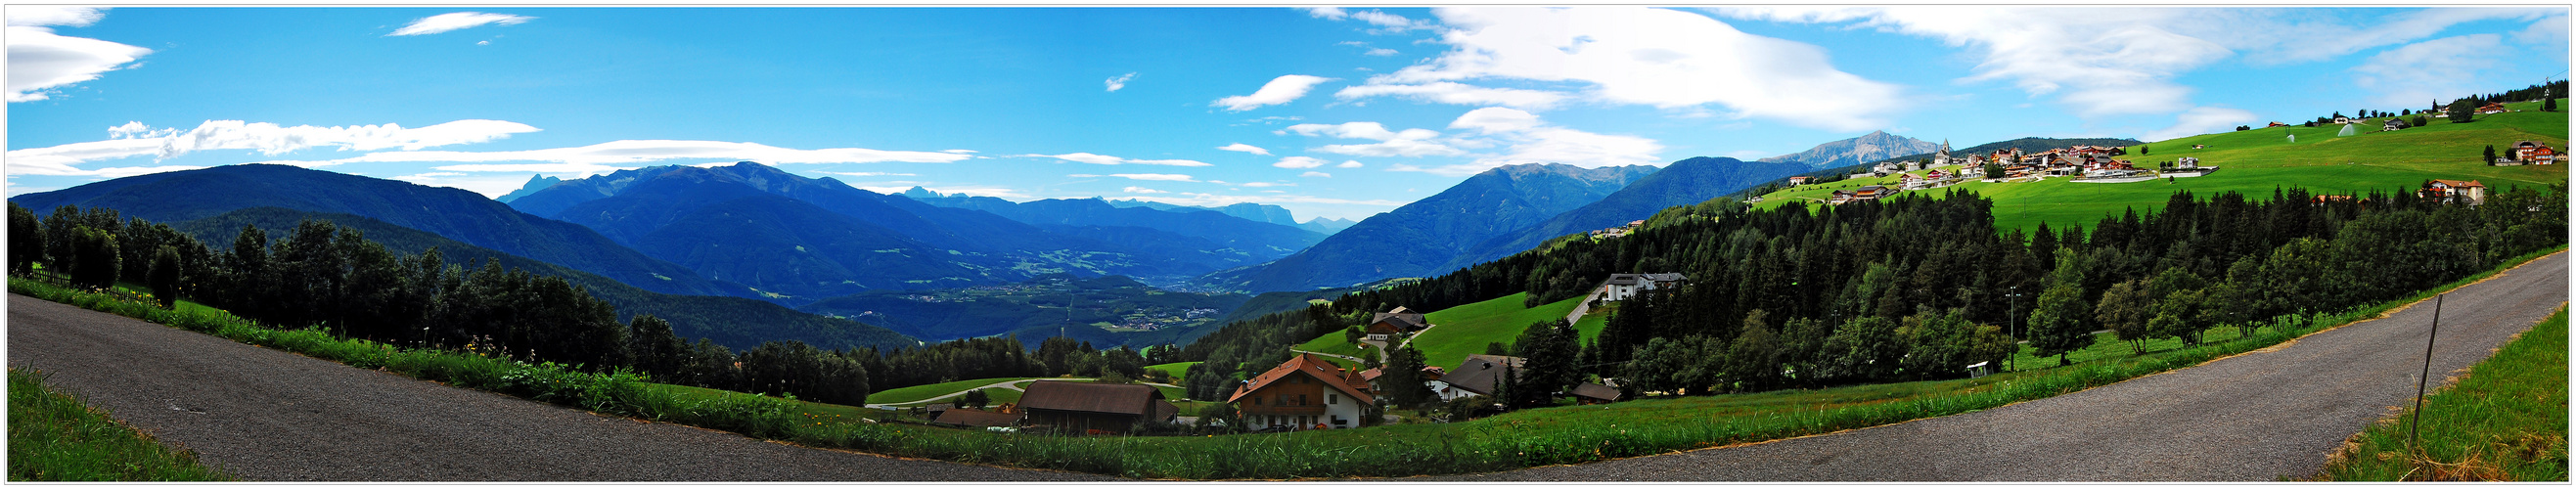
(482, 43)
(48, 15)
(2122, 61)
(1495, 120)
(1279, 91)
(2439, 69)
(454, 21)
(135, 139)
(1387, 23)
(1348, 164)
(1315, 174)
(1530, 140)
(1159, 177)
(1142, 190)
(1268, 184)
(1098, 159)
(40, 62)
(958, 151)
(1118, 82)
(1246, 148)
(1380, 52)
(1662, 58)
(2203, 120)
(1298, 162)
(1410, 142)
(1455, 93)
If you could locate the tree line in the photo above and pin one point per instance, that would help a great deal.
(319, 274)
(1917, 288)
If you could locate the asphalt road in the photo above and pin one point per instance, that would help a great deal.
(269, 415)
(2254, 417)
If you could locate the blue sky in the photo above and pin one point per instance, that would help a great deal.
(1329, 112)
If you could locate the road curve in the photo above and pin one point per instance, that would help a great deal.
(264, 414)
(2254, 417)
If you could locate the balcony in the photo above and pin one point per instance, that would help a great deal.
(1306, 410)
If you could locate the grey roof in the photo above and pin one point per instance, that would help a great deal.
(1596, 391)
(1479, 373)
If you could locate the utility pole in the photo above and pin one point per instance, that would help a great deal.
(2014, 299)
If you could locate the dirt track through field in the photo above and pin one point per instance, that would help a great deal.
(269, 415)
(2254, 417)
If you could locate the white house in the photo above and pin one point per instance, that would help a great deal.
(1622, 286)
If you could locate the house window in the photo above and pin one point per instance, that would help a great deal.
(1332, 399)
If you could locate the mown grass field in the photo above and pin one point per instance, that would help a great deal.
(55, 437)
(1178, 370)
(2254, 162)
(2505, 420)
(1464, 330)
(920, 392)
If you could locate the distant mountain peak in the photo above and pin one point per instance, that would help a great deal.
(1876, 145)
(535, 183)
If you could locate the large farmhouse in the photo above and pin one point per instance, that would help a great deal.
(1095, 408)
(1399, 320)
(1622, 286)
(1304, 393)
(1478, 376)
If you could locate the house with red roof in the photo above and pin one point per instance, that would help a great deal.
(1305, 392)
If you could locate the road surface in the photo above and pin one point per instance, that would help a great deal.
(268, 415)
(2256, 417)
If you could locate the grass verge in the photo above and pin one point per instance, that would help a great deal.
(55, 437)
(2505, 420)
(1528, 438)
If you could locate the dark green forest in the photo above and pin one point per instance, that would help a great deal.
(1917, 287)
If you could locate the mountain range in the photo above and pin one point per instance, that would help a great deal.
(800, 240)
(1421, 238)
(468, 230)
(1875, 146)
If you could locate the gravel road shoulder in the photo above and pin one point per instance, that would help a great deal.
(270, 415)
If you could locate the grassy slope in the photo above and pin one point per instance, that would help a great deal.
(920, 392)
(2256, 161)
(2506, 420)
(54, 437)
(1179, 370)
(1464, 330)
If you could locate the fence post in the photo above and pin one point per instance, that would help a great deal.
(2417, 426)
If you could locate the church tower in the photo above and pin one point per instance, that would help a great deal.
(1942, 158)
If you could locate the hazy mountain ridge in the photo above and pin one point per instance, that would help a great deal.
(1685, 182)
(735, 322)
(1419, 238)
(1875, 146)
(452, 213)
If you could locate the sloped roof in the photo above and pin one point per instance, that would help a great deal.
(1089, 397)
(1306, 364)
(977, 417)
(1590, 390)
(1480, 372)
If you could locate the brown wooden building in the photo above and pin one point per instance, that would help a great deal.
(1085, 407)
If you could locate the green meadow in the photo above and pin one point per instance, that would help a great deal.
(2257, 161)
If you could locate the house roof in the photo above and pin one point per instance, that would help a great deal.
(1409, 321)
(1590, 390)
(1665, 277)
(1089, 397)
(1479, 373)
(1308, 365)
(2454, 183)
(977, 417)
